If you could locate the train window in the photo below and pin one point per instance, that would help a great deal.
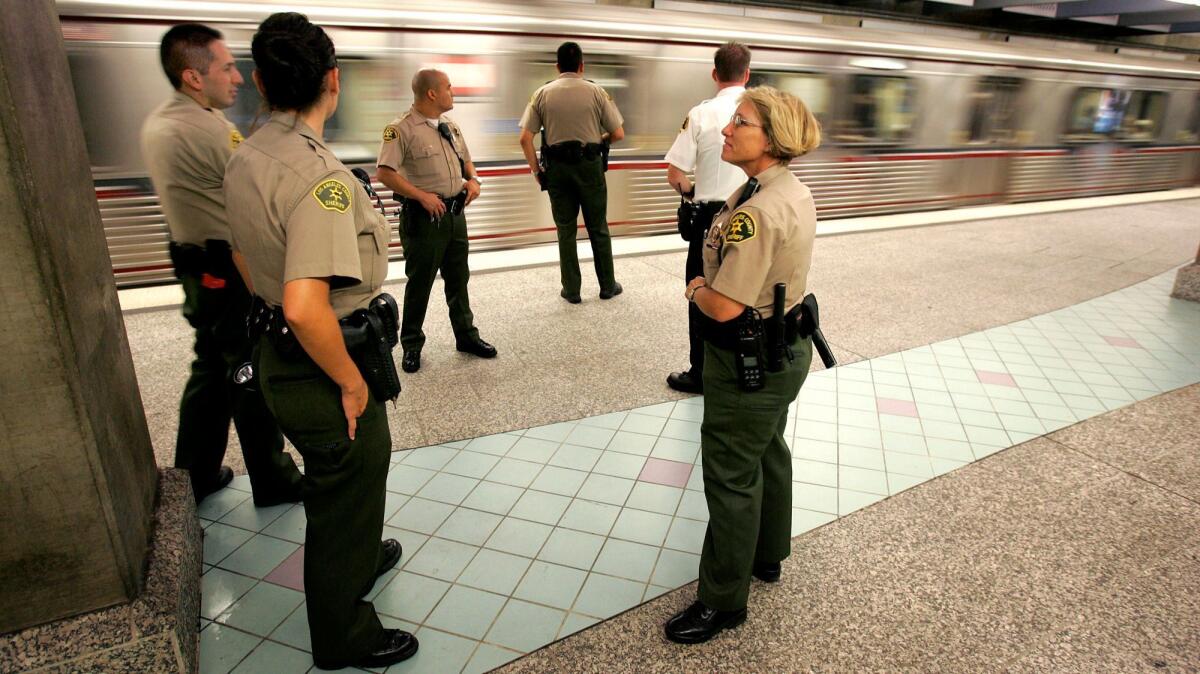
(881, 110)
(1096, 114)
(1143, 115)
(812, 88)
(994, 110)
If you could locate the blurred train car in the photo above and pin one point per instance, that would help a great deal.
(911, 122)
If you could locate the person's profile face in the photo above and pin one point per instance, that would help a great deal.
(745, 139)
(445, 94)
(220, 84)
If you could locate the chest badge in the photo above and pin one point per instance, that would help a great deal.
(333, 195)
(235, 139)
(741, 227)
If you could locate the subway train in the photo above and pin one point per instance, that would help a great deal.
(910, 121)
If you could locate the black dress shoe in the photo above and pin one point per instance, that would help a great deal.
(611, 292)
(699, 623)
(396, 646)
(222, 480)
(767, 572)
(391, 556)
(411, 362)
(685, 382)
(477, 347)
(573, 298)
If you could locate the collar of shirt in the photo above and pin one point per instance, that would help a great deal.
(731, 91)
(422, 118)
(772, 174)
(181, 99)
(574, 76)
(291, 120)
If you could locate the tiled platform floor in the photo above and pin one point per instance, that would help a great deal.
(517, 539)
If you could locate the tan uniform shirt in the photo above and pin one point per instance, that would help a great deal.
(297, 212)
(571, 108)
(186, 147)
(766, 240)
(413, 147)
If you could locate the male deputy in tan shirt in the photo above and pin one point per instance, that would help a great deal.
(186, 143)
(578, 117)
(424, 159)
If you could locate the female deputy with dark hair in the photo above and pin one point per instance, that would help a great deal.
(762, 237)
(316, 252)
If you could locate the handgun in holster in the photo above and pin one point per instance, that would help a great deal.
(370, 335)
(686, 216)
(748, 356)
(810, 324)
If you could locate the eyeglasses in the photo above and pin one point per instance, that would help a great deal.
(739, 121)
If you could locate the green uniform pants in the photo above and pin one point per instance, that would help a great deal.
(747, 474)
(575, 187)
(431, 246)
(211, 399)
(343, 502)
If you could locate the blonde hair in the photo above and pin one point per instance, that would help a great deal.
(791, 128)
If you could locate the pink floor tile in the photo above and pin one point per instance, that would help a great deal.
(1127, 342)
(999, 378)
(669, 473)
(903, 408)
(290, 572)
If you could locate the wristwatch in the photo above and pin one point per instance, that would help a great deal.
(476, 179)
(691, 297)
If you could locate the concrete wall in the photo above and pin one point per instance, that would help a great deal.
(77, 475)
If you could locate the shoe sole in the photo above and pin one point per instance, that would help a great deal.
(736, 622)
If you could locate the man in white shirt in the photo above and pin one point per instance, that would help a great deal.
(698, 149)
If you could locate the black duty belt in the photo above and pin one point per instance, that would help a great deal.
(454, 204)
(370, 335)
(725, 335)
(573, 151)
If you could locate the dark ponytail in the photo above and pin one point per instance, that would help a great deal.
(292, 56)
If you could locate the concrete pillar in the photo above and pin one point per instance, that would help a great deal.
(77, 474)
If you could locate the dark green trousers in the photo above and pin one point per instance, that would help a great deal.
(572, 188)
(747, 474)
(211, 399)
(431, 246)
(343, 502)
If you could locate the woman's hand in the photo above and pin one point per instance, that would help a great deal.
(354, 402)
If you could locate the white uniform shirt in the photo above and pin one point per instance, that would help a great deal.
(698, 147)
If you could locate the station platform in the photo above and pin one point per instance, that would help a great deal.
(1001, 473)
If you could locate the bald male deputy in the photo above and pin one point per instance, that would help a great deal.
(424, 159)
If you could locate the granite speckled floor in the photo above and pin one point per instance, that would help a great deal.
(1040, 556)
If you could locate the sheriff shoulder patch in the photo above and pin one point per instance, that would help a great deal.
(389, 133)
(235, 139)
(741, 227)
(333, 195)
